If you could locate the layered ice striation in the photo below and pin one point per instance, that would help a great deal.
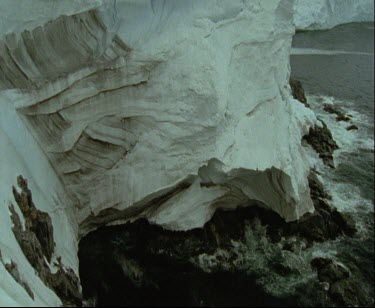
(165, 110)
(325, 14)
(180, 111)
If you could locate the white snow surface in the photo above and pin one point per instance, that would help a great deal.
(166, 110)
(21, 155)
(326, 14)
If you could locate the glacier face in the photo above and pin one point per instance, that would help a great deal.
(178, 102)
(166, 110)
(325, 14)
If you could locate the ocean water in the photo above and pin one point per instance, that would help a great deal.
(337, 67)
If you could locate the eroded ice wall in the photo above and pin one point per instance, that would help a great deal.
(165, 109)
(325, 14)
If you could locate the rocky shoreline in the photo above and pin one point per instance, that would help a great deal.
(249, 256)
(250, 248)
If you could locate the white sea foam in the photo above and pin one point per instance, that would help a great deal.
(345, 196)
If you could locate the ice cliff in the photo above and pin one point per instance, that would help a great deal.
(165, 110)
(325, 14)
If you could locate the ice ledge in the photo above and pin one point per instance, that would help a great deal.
(135, 108)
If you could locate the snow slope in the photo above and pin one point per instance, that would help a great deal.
(21, 155)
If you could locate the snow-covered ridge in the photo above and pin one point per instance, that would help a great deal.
(325, 14)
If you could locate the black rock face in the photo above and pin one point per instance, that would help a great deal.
(139, 264)
(242, 257)
(320, 138)
(298, 92)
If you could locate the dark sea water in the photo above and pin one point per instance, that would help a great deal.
(348, 78)
(337, 67)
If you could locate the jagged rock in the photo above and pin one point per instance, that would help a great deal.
(352, 127)
(329, 271)
(37, 244)
(37, 222)
(347, 294)
(317, 190)
(345, 222)
(326, 222)
(29, 243)
(342, 289)
(243, 246)
(320, 138)
(12, 269)
(162, 267)
(341, 116)
(298, 92)
(330, 108)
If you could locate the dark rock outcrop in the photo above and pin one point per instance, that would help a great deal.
(298, 92)
(37, 244)
(245, 249)
(352, 127)
(341, 115)
(320, 138)
(12, 269)
(343, 290)
(329, 271)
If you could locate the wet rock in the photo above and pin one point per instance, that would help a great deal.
(352, 127)
(347, 294)
(331, 109)
(341, 115)
(326, 222)
(321, 140)
(298, 92)
(317, 189)
(343, 288)
(194, 268)
(329, 271)
(293, 244)
(342, 118)
(252, 246)
(334, 110)
(325, 286)
(345, 222)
